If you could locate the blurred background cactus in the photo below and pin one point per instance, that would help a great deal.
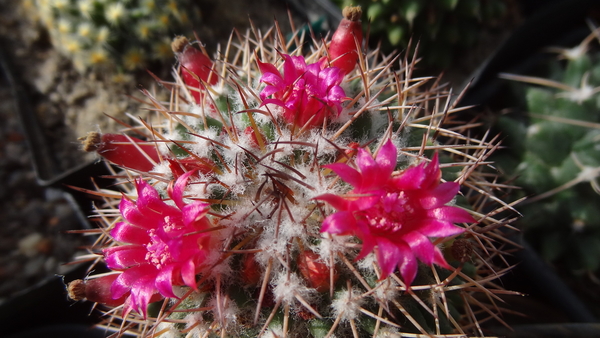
(130, 35)
(444, 28)
(553, 152)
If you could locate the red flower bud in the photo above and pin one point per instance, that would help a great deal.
(195, 65)
(95, 290)
(251, 271)
(98, 290)
(342, 49)
(124, 151)
(315, 271)
(253, 139)
(182, 165)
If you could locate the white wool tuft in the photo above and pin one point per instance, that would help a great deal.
(224, 309)
(388, 332)
(286, 286)
(198, 327)
(203, 147)
(347, 304)
(368, 262)
(169, 330)
(386, 290)
(274, 331)
(331, 245)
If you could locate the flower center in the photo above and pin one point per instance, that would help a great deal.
(390, 214)
(158, 250)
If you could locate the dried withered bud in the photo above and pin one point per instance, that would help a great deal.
(76, 290)
(462, 250)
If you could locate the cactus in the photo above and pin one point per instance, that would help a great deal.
(131, 34)
(554, 155)
(442, 27)
(290, 198)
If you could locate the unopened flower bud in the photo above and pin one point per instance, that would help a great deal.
(125, 151)
(315, 271)
(196, 66)
(251, 271)
(95, 290)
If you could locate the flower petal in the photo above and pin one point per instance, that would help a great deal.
(407, 264)
(388, 256)
(339, 223)
(438, 258)
(367, 166)
(193, 213)
(149, 202)
(440, 195)
(386, 159)
(141, 292)
(438, 228)
(451, 214)
(410, 179)
(268, 91)
(273, 80)
(346, 173)
(267, 67)
(125, 256)
(164, 281)
(432, 172)
(421, 246)
(176, 191)
(188, 274)
(366, 200)
(338, 202)
(125, 281)
(131, 214)
(127, 233)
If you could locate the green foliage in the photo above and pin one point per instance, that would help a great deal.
(440, 25)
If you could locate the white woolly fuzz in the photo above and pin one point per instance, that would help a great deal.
(193, 319)
(270, 246)
(223, 269)
(386, 290)
(368, 262)
(275, 331)
(168, 330)
(286, 286)
(224, 310)
(200, 111)
(331, 246)
(347, 304)
(164, 147)
(203, 147)
(288, 229)
(388, 332)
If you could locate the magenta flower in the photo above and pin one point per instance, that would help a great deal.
(395, 212)
(306, 92)
(166, 245)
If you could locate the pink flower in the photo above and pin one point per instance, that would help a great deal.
(306, 92)
(165, 245)
(396, 212)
